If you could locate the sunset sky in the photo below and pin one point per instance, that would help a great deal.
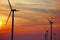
(31, 19)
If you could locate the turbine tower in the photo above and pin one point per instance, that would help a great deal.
(46, 35)
(51, 22)
(11, 11)
(54, 36)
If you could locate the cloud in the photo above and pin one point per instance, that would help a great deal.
(31, 12)
(37, 7)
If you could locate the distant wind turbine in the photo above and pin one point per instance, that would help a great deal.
(51, 23)
(46, 35)
(54, 35)
(11, 11)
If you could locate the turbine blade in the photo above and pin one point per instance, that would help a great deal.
(8, 17)
(16, 10)
(10, 4)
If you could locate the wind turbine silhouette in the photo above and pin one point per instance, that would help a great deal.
(51, 23)
(11, 11)
(54, 35)
(46, 35)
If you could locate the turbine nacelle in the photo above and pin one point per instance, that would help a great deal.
(14, 10)
(51, 22)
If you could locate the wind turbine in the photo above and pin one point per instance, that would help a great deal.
(11, 12)
(54, 35)
(51, 23)
(46, 35)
